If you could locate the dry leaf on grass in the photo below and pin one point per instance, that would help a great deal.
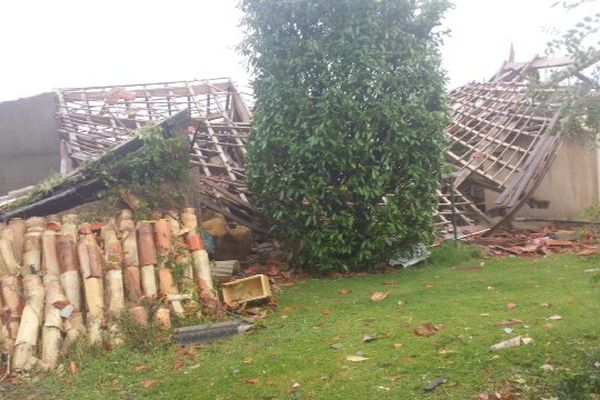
(336, 346)
(149, 383)
(555, 317)
(74, 367)
(139, 368)
(178, 364)
(248, 360)
(357, 358)
(398, 346)
(428, 329)
(511, 306)
(288, 309)
(344, 291)
(429, 286)
(252, 380)
(325, 312)
(378, 296)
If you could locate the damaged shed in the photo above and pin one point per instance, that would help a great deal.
(511, 159)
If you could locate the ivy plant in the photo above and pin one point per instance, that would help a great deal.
(142, 172)
(347, 138)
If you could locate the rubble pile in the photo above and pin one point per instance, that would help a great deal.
(537, 243)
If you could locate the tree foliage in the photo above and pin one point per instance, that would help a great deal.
(347, 138)
(581, 42)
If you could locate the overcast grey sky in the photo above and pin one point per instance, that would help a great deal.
(49, 44)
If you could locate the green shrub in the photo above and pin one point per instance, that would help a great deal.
(350, 110)
(582, 382)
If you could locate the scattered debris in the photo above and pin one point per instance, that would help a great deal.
(509, 322)
(357, 358)
(414, 256)
(547, 367)
(368, 338)
(337, 346)
(224, 269)
(508, 330)
(245, 290)
(514, 342)
(533, 243)
(511, 306)
(209, 332)
(565, 235)
(555, 317)
(428, 329)
(378, 296)
(434, 385)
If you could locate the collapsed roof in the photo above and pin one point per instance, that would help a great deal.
(501, 138)
(502, 134)
(93, 120)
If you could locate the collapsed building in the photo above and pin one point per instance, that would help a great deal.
(508, 159)
(511, 158)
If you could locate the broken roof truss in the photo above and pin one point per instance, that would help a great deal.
(94, 120)
(501, 138)
(502, 135)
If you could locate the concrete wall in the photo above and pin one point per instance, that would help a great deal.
(570, 186)
(29, 145)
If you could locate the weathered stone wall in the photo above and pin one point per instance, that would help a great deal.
(29, 144)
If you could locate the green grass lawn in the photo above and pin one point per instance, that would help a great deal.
(291, 353)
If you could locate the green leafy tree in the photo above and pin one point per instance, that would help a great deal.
(347, 138)
(580, 102)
